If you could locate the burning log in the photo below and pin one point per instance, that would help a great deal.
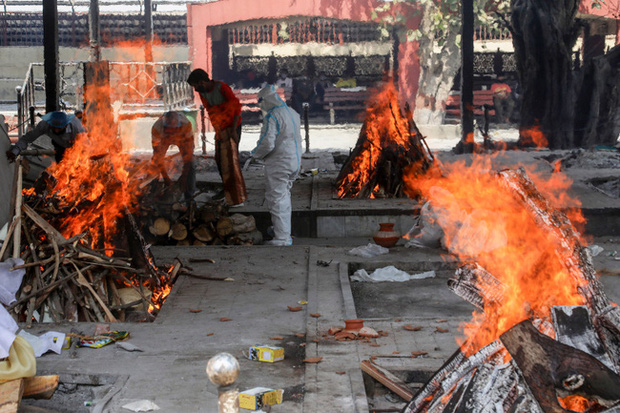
(555, 357)
(475, 284)
(389, 147)
(67, 280)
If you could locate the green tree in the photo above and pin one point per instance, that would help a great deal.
(438, 36)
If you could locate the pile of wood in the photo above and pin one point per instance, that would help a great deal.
(12, 391)
(171, 223)
(65, 279)
(389, 146)
(573, 354)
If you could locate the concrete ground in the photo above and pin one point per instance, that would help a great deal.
(313, 274)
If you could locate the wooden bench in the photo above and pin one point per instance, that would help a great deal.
(481, 98)
(342, 99)
(249, 100)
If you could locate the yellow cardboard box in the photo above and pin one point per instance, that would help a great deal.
(270, 354)
(258, 397)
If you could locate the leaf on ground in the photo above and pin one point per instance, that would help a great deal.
(409, 327)
(341, 372)
(276, 338)
(195, 310)
(442, 321)
(294, 308)
(395, 352)
(442, 330)
(223, 319)
(313, 360)
(375, 345)
(415, 354)
(315, 315)
(210, 334)
(300, 335)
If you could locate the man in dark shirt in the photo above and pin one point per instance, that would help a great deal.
(62, 129)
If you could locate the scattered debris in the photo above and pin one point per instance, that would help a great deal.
(128, 346)
(195, 310)
(389, 273)
(263, 352)
(388, 379)
(259, 397)
(224, 319)
(315, 315)
(141, 406)
(368, 251)
(313, 360)
(409, 327)
(294, 309)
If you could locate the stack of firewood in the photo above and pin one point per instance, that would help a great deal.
(210, 224)
(66, 279)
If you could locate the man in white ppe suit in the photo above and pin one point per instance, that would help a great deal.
(279, 147)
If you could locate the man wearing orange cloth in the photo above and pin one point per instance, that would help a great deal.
(225, 115)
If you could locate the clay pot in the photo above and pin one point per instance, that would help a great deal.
(353, 325)
(386, 236)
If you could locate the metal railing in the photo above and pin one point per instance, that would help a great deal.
(139, 86)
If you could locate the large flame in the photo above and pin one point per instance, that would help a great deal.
(385, 126)
(483, 222)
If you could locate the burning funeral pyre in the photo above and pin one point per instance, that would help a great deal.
(85, 258)
(389, 147)
(545, 337)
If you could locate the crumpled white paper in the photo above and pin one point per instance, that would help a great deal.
(52, 340)
(8, 328)
(389, 273)
(10, 280)
(141, 406)
(368, 251)
(595, 249)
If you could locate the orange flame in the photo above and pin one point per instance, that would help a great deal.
(575, 403)
(533, 137)
(385, 126)
(483, 222)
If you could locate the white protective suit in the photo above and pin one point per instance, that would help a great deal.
(280, 148)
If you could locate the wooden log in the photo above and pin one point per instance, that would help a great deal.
(82, 281)
(388, 379)
(476, 285)
(552, 369)
(494, 383)
(224, 227)
(208, 215)
(184, 243)
(161, 226)
(203, 233)
(577, 259)
(11, 395)
(8, 240)
(457, 366)
(573, 327)
(203, 277)
(243, 223)
(38, 387)
(51, 232)
(17, 235)
(178, 232)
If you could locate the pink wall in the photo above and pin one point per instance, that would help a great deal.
(201, 16)
(609, 9)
